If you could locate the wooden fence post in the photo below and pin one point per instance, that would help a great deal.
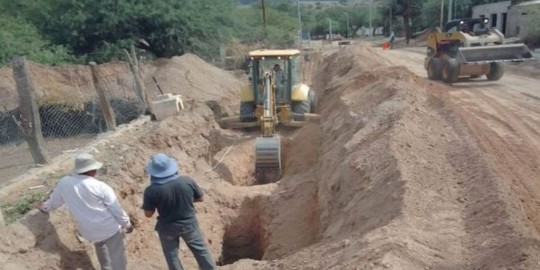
(29, 121)
(104, 104)
(2, 222)
(139, 85)
(223, 55)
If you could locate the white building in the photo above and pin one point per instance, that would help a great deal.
(517, 17)
(507, 16)
(497, 13)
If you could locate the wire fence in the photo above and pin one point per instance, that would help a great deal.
(70, 119)
(64, 121)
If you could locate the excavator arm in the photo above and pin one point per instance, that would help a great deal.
(268, 145)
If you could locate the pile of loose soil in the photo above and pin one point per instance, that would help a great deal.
(70, 85)
(193, 137)
(73, 85)
(391, 178)
(398, 181)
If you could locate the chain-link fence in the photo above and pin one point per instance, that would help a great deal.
(68, 120)
(64, 121)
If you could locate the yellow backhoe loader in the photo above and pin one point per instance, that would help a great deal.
(275, 96)
(467, 47)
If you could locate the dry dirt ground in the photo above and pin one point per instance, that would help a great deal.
(401, 173)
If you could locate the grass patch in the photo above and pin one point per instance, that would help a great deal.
(16, 209)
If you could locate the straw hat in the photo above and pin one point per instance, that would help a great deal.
(84, 163)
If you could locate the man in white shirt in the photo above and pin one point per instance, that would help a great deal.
(95, 209)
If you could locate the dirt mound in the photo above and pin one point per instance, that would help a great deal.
(190, 76)
(70, 85)
(73, 85)
(391, 178)
(193, 137)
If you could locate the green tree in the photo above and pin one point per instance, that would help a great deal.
(281, 25)
(408, 10)
(101, 29)
(345, 19)
(18, 37)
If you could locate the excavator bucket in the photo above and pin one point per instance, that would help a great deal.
(496, 53)
(268, 158)
(268, 152)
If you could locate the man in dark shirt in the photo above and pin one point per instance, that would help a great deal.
(173, 197)
(279, 81)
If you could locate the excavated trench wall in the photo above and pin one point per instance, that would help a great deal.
(398, 180)
(390, 179)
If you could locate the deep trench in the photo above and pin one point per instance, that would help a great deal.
(250, 233)
(246, 236)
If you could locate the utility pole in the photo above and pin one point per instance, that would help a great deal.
(390, 23)
(449, 10)
(370, 17)
(264, 21)
(442, 14)
(299, 22)
(330, 28)
(455, 9)
(347, 24)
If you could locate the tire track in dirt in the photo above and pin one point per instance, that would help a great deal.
(504, 120)
(521, 147)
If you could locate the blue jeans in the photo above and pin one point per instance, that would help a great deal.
(170, 242)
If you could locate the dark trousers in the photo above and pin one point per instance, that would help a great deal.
(170, 242)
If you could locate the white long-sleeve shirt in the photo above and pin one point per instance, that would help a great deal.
(92, 204)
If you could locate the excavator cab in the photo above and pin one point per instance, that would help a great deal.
(292, 98)
(275, 96)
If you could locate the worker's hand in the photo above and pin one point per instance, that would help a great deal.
(129, 230)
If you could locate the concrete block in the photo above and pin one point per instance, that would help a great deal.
(166, 107)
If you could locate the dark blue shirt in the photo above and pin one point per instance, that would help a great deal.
(173, 201)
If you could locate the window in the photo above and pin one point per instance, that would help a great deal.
(503, 30)
(494, 20)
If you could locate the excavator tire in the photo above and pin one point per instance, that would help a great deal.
(247, 111)
(434, 68)
(496, 71)
(299, 108)
(450, 71)
(312, 101)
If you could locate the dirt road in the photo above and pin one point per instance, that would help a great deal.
(510, 108)
(505, 118)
